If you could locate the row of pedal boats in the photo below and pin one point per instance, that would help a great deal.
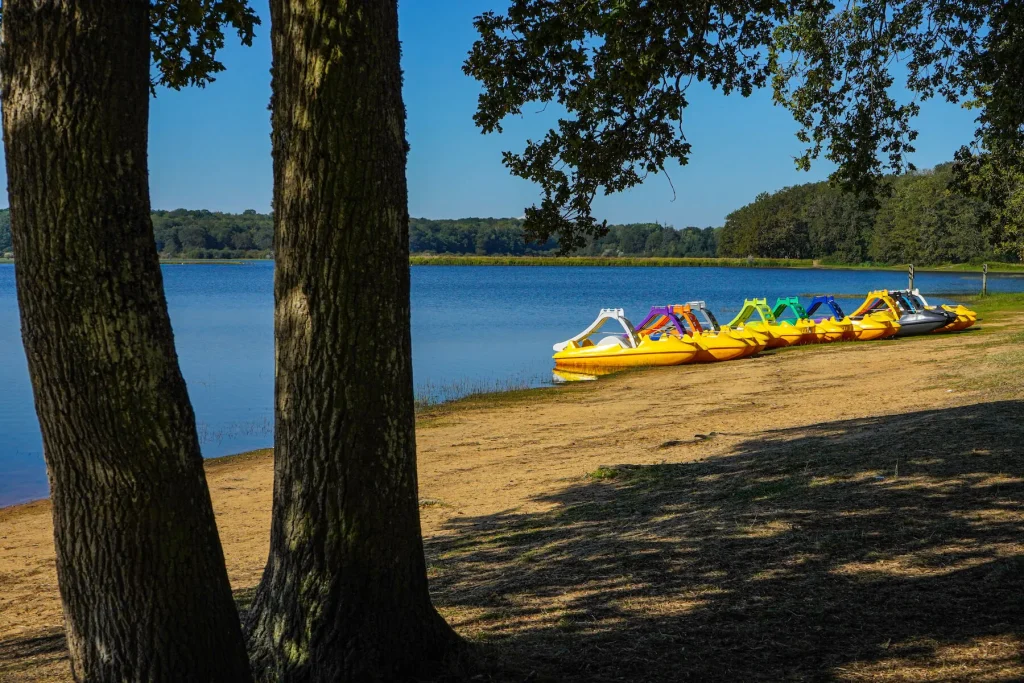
(690, 333)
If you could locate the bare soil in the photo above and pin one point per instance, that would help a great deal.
(842, 512)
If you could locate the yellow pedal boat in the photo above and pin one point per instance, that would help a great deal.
(965, 317)
(810, 332)
(865, 328)
(878, 309)
(622, 350)
(838, 326)
(767, 329)
(909, 318)
(756, 340)
(713, 344)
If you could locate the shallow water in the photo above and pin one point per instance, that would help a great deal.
(474, 328)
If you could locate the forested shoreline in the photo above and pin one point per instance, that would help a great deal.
(921, 220)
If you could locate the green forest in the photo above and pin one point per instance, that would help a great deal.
(920, 219)
(5, 231)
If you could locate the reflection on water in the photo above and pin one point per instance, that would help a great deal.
(560, 376)
(581, 373)
(474, 329)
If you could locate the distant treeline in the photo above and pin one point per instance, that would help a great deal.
(922, 220)
(211, 234)
(5, 231)
(504, 237)
(195, 234)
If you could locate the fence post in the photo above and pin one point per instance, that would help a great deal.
(911, 278)
(984, 279)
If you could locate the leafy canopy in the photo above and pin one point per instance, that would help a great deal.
(620, 70)
(188, 33)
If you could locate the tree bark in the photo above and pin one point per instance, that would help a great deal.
(344, 594)
(139, 563)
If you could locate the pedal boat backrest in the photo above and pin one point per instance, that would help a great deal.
(877, 300)
(606, 315)
(660, 317)
(906, 300)
(709, 318)
(750, 307)
(793, 304)
(914, 300)
(830, 302)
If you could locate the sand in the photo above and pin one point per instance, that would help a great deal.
(487, 464)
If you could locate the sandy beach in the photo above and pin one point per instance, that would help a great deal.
(851, 511)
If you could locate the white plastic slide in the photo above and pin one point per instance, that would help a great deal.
(606, 315)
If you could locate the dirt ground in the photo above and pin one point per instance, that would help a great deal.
(842, 512)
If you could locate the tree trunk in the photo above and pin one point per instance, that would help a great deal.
(139, 563)
(344, 595)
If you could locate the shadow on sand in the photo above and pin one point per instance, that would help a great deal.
(884, 548)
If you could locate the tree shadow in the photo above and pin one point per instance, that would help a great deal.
(888, 547)
(34, 657)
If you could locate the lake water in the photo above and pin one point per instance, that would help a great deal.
(473, 328)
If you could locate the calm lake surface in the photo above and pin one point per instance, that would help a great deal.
(473, 328)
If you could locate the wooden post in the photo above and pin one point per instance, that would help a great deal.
(911, 278)
(984, 279)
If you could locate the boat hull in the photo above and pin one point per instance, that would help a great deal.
(831, 330)
(964, 318)
(913, 324)
(717, 347)
(866, 330)
(666, 350)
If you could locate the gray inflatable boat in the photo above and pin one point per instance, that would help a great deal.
(915, 319)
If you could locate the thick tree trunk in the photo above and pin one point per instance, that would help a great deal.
(140, 566)
(344, 595)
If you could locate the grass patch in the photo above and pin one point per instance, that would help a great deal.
(996, 306)
(437, 414)
(245, 458)
(602, 473)
(434, 394)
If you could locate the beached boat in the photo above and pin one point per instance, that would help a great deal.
(712, 344)
(911, 321)
(797, 317)
(775, 333)
(965, 317)
(622, 349)
(862, 330)
(756, 341)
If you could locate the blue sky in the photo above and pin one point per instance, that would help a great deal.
(210, 148)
